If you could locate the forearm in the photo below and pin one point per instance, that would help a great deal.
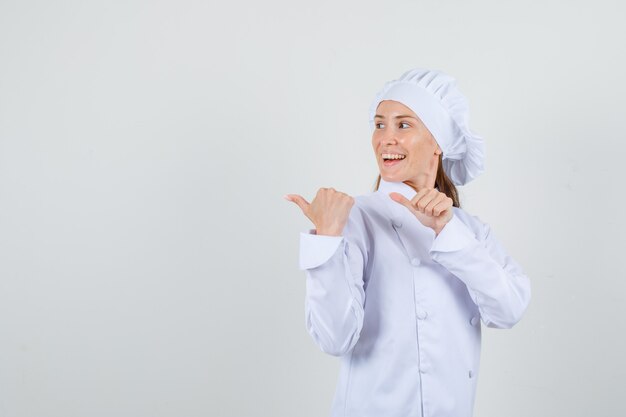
(494, 280)
(334, 293)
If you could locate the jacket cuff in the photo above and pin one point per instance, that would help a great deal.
(316, 249)
(454, 236)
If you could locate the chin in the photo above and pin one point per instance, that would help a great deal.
(392, 178)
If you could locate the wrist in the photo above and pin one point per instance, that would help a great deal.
(327, 232)
(440, 228)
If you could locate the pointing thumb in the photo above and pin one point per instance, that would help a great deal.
(400, 199)
(299, 200)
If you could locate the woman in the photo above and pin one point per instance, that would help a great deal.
(398, 280)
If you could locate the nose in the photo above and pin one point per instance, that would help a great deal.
(390, 139)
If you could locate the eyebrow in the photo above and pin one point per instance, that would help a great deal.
(397, 117)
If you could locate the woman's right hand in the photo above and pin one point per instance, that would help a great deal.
(328, 211)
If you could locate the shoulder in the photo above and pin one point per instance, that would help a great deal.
(363, 212)
(367, 205)
(365, 201)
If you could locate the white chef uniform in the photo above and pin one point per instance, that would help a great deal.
(402, 307)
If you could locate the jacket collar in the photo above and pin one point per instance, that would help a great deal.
(398, 187)
(387, 187)
(415, 237)
(396, 210)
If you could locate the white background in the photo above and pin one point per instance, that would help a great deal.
(148, 263)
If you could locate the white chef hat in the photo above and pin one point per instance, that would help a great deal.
(434, 97)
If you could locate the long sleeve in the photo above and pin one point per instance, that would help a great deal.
(494, 280)
(335, 296)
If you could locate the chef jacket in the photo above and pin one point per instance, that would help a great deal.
(402, 308)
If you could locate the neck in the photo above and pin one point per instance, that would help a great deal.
(423, 181)
(428, 178)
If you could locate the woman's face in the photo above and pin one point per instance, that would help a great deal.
(405, 149)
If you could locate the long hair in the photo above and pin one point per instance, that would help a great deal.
(443, 183)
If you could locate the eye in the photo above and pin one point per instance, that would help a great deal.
(404, 123)
(377, 124)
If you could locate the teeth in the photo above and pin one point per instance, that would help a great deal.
(393, 156)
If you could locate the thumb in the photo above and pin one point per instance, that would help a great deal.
(400, 199)
(299, 200)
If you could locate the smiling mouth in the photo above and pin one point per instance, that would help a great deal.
(390, 160)
(392, 156)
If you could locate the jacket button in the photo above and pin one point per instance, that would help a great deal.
(422, 314)
(415, 262)
(474, 320)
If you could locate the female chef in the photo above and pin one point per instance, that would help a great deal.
(399, 280)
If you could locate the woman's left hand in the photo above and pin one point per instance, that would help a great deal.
(431, 207)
